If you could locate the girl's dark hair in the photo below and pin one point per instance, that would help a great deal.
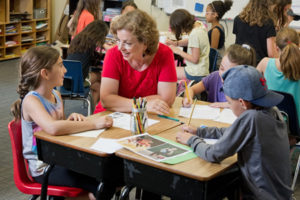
(220, 7)
(31, 64)
(287, 40)
(181, 21)
(128, 3)
(89, 38)
(93, 6)
(241, 54)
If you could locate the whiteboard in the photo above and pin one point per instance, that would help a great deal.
(170, 5)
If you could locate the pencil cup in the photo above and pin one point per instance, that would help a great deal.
(138, 121)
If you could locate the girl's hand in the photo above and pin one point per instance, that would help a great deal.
(189, 129)
(219, 105)
(170, 42)
(102, 122)
(187, 102)
(158, 106)
(183, 137)
(175, 49)
(76, 117)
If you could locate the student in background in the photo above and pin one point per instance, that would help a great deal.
(83, 48)
(258, 136)
(292, 16)
(128, 6)
(86, 12)
(280, 9)
(283, 73)
(214, 13)
(255, 26)
(139, 66)
(197, 56)
(235, 55)
(41, 69)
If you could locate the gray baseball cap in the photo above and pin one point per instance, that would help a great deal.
(247, 83)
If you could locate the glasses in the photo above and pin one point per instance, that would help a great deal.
(126, 45)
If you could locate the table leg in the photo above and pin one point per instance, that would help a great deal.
(125, 192)
(45, 182)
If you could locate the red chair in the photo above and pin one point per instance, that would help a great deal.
(23, 181)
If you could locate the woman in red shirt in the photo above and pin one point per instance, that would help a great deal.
(139, 66)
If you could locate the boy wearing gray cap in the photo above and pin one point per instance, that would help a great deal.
(259, 136)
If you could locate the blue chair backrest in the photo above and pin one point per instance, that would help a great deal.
(74, 71)
(213, 57)
(288, 105)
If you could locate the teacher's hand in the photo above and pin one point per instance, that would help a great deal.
(158, 106)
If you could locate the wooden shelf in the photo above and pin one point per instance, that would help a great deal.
(21, 13)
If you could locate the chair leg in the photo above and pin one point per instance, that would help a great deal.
(34, 197)
(296, 174)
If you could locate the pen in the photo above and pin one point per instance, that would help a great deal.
(186, 90)
(167, 117)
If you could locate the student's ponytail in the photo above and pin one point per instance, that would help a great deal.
(290, 61)
(287, 40)
(241, 54)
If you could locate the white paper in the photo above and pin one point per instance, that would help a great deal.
(226, 116)
(122, 120)
(92, 133)
(106, 145)
(200, 112)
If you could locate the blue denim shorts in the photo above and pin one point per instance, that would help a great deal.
(195, 78)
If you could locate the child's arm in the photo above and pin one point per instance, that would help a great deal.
(215, 37)
(219, 105)
(194, 57)
(271, 48)
(33, 110)
(262, 65)
(179, 43)
(195, 89)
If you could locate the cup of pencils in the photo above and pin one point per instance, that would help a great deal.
(139, 117)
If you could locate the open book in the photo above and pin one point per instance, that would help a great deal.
(151, 147)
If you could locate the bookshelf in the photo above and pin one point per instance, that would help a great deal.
(23, 24)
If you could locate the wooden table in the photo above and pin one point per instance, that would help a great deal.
(74, 153)
(192, 179)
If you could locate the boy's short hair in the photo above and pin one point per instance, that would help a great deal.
(249, 84)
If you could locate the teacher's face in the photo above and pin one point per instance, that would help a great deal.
(129, 45)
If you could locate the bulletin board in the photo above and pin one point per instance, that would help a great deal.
(170, 5)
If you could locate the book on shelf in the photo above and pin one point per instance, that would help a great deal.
(41, 25)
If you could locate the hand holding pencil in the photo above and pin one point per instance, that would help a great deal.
(188, 96)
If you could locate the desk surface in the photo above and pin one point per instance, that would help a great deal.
(195, 168)
(84, 143)
(195, 122)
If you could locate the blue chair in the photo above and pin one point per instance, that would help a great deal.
(73, 88)
(213, 57)
(288, 106)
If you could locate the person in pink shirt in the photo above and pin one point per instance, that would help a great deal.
(138, 66)
(86, 12)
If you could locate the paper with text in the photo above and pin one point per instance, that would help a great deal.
(122, 120)
(200, 112)
(226, 116)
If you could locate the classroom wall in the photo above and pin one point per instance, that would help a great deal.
(163, 20)
(56, 12)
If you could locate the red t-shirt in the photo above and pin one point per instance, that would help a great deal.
(84, 19)
(133, 83)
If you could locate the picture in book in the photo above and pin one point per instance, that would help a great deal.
(151, 147)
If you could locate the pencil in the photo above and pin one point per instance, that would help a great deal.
(192, 111)
(186, 90)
